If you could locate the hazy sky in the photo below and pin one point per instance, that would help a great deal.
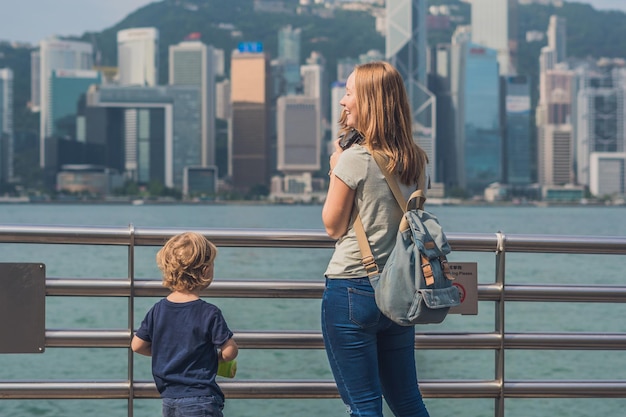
(33, 20)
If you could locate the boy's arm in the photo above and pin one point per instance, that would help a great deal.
(140, 346)
(228, 351)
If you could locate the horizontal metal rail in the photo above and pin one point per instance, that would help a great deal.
(305, 389)
(498, 341)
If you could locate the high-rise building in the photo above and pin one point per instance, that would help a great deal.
(138, 56)
(66, 89)
(314, 85)
(607, 173)
(494, 25)
(6, 125)
(299, 134)
(35, 80)
(250, 94)
(518, 123)
(191, 63)
(406, 49)
(55, 54)
(555, 132)
(600, 117)
(440, 83)
(160, 126)
(555, 154)
(557, 37)
(481, 138)
(289, 58)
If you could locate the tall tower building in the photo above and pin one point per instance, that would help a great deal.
(55, 54)
(555, 154)
(478, 138)
(299, 134)
(517, 141)
(35, 80)
(406, 49)
(555, 132)
(600, 118)
(557, 37)
(192, 63)
(250, 95)
(138, 56)
(6, 125)
(289, 46)
(494, 25)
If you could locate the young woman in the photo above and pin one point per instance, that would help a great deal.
(370, 356)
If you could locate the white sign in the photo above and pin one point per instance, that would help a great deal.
(466, 280)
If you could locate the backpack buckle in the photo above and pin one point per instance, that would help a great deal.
(370, 266)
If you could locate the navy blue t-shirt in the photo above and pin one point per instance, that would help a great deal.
(185, 338)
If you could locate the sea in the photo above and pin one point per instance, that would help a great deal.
(94, 262)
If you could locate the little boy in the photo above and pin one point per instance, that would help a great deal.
(185, 335)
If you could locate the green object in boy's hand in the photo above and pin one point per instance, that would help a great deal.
(227, 369)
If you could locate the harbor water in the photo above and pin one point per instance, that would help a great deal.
(93, 262)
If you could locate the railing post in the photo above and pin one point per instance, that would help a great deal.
(131, 318)
(499, 322)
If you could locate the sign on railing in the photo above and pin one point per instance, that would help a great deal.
(22, 307)
(466, 280)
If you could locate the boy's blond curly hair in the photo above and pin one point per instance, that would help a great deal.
(186, 261)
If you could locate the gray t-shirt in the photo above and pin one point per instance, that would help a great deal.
(379, 210)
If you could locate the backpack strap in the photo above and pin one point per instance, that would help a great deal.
(367, 259)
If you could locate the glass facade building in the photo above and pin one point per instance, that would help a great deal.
(517, 119)
(482, 147)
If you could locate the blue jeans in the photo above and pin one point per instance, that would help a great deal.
(371, 357)
(207, 406)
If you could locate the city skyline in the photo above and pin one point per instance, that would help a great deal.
(33, 20)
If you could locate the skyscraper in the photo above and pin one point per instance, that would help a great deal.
(55, 54)
(555, 133)
(299, 134)
(6, 124)
(481, 138)
(289, 46)
(517, 119)
(557, 37)
(66, 89)
(601, 116)
(161, 129)
(494, 25)
(406, 49)
(191, 63)
(138, 56)
(250, 140)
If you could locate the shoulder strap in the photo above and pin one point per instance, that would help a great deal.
(367, 259)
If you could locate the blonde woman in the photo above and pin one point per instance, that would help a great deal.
(185, 335)
(370, 356)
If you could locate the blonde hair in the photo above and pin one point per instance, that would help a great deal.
(384, 119)
(185, 261)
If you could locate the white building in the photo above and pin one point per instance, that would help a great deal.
(6, 124)
(607, 174)
(138, 56)
(299, 134)
(55, 54)
(192, 63)
(493, 26)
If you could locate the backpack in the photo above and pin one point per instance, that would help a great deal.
(415, 285)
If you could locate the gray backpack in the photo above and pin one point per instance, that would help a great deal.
(415, 286)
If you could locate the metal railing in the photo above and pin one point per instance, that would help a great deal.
(499, 340)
